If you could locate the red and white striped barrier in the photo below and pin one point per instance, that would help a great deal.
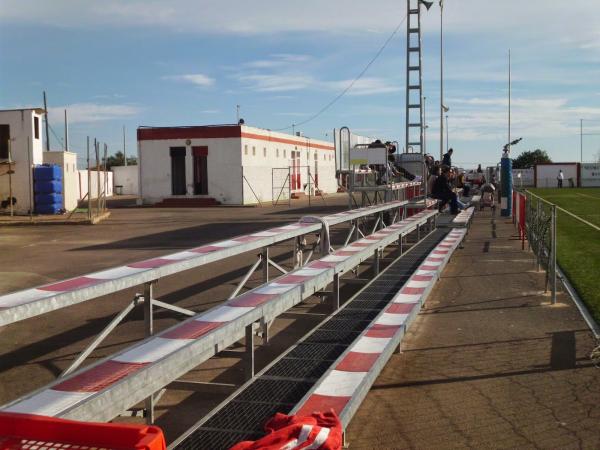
(346, 384)
(32, 302)
(463, 218)
(104, 390)
(519, 217)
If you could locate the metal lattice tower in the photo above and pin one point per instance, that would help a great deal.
(414, 78)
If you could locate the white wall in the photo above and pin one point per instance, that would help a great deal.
(67, 161)
(21, 124)
(223, 166)
(527, 177)
(590, 175)
(260, 157)
(106, 179)
(255, 154)
(127, 177)
(546, 174)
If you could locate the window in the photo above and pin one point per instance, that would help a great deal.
(308, 156)
(324, 157)
(284, 153)
(265, 152)
(36, 127)
(253, 151)
(245, 149)
(276, 153)
(4, 137)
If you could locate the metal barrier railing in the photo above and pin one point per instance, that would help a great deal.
(540, 229)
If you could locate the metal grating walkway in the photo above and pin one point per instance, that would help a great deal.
(283, 383)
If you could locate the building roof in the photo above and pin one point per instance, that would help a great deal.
(226, 131)
(36, 109)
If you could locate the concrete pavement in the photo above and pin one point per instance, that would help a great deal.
(489, 363)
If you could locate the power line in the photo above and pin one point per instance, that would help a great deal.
(345, 91)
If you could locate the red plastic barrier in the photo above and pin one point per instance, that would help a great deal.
(321, 431)
(26, 431)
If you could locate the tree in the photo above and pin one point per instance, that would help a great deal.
(118, 159)
(529, 159)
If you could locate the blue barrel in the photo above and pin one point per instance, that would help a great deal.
(48, 187)
(46, 199)
(506, 186)
(50, 208)
(47, 172)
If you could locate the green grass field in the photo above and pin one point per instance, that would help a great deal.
(578, 250)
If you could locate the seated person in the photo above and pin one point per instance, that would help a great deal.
(442, 190)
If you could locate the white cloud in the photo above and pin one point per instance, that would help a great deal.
(198, 79)
(366, 86)
(578, 19)
(92, 112)
(282, 82)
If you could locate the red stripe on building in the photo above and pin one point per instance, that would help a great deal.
(218, 132)
(306, 143)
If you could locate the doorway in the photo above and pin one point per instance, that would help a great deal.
(200, 170)
(178, 185)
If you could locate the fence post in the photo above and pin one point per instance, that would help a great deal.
(538, 237)
(553, 260)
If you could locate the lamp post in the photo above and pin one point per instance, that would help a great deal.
(447, 140)
(441, 79)
(425, 125)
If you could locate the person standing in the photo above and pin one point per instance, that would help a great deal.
(479, 169)
(447, 160)
(560, 178)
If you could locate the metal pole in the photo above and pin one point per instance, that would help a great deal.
(265, 264)
(441, 79)
(581, 140)
(47, 125)
(66, 146)
(97, 145)
(509, 98)
(335, 298)
(447, 139)
(149, 328)
(553, 262)
(89, 182)
(124, 151)
(30, 180)
(10, 196)
(249, 356)
(105, 179)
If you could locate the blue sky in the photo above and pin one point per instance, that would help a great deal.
(184, 62)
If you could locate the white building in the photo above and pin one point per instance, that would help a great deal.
(233, 164)
(22, 127)
(67, 161)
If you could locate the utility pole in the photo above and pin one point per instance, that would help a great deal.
(47, 132)
(66, 132)
(124, 153)
(581, 140)
(509, 99)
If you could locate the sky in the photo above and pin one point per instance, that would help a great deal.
(130, 63)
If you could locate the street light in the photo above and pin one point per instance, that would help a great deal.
(447, 140)
(441, 79)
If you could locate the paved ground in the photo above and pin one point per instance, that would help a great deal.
(489, 363)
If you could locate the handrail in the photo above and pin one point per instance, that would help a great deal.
(21, 305)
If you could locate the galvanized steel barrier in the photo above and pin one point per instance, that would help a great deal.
(107, 388)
